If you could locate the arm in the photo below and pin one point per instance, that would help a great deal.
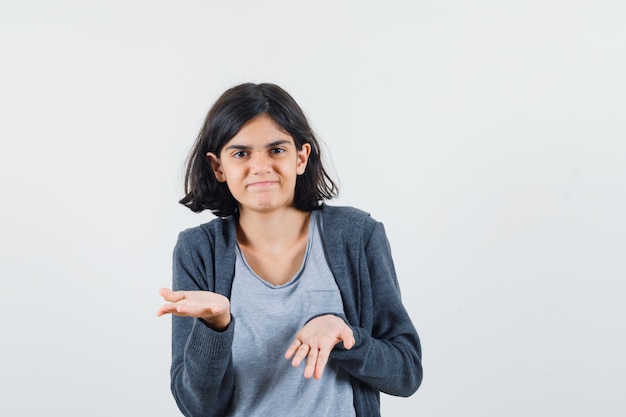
(386, 354)
(202, 378)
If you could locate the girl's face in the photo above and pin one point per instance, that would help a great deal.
(260, 165)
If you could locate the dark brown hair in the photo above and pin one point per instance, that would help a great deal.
(235, 107)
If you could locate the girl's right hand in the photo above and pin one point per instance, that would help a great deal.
(212, 308)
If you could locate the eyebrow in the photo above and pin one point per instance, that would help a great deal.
(269, 145)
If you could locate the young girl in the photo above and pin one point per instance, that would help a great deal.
(280, 278)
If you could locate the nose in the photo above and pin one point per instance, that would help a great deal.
(260, 163)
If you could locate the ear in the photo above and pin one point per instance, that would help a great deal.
(216, 165)
(303, 158)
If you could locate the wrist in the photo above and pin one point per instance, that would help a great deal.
(219, 324)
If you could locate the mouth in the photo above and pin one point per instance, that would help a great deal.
(262, 184)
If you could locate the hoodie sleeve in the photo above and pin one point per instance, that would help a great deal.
(387, 352)
(202, 377)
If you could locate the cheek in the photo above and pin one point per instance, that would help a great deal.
(232, 174)
(233, 180)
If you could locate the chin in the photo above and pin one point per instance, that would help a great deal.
(268, 207)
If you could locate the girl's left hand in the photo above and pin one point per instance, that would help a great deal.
(315, 342)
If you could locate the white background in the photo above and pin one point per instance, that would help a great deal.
(488, 136)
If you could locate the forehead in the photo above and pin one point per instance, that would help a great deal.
(260, 130)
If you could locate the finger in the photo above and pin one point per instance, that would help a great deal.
(311, 361)
(171, 296)
(166, 309)
(292, 348)
(165, 292)
(186, 308)
(322, 360)
(300, 355)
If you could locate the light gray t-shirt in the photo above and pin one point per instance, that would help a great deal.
(267, 318)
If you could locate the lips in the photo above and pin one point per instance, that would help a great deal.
(262, 184)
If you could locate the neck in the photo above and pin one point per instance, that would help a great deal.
(276, 228)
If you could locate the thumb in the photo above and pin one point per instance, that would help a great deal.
(171, 296)
(347, 336)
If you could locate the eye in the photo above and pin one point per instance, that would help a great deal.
(240, 154)
(275, 151)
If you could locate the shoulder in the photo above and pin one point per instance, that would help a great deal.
(347, 222)
(209, 232)
(345, 215)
